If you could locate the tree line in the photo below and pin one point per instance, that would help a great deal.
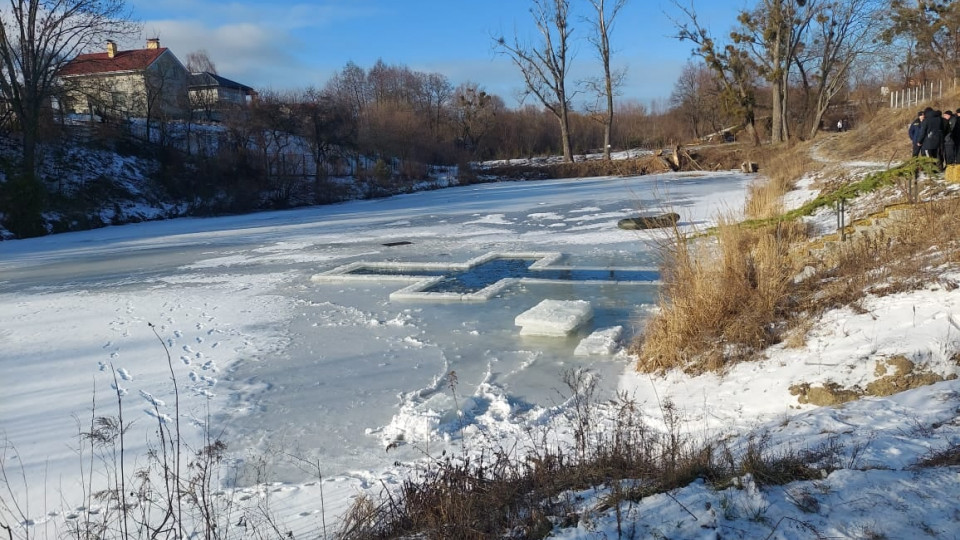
(784, 69)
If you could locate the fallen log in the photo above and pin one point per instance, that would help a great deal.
(649, 222)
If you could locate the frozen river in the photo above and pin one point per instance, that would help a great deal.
(274, 362)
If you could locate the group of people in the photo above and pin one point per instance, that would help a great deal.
(937, 135)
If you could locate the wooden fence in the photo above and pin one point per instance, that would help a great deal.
(915, 95)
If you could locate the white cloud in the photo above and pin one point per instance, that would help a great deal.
(252, 54)
(255, 42)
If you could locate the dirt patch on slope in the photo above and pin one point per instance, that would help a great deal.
(894, 375)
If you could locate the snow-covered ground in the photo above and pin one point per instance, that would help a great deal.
(338, 374)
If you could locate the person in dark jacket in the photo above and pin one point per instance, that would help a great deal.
(930, 137)
(914, 133)
(949, 139)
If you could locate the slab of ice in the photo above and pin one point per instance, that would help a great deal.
(554, 317)
(601, 342)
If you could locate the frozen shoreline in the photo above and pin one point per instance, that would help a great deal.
(334, 371)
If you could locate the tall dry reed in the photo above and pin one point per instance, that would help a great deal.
(719, 300)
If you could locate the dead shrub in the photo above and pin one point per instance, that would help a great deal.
(948, 457)
(908, 252)
(776, 468)
(719, 299)
(505, 495)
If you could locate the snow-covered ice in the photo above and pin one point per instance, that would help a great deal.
(273, 362)
(344, 374)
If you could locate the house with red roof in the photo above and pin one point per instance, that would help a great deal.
(141, 83)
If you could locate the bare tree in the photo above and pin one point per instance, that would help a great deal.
(696, 98)
(199, 62)
(932, 32)
(474, 114)
(350, 88)
(773, 33)
(37, 37)
(165, 94)
(325, 126)
(438, 90)
(732, 65)
(604, 15)
(843, 31)
(544, 66)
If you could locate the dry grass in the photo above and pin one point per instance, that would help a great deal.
(720, 299)
(501, 495)
(948, 457)
(729, 295)
(884, 137)
(782, 167)
(908, 252)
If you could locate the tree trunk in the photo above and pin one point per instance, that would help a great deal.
(565, 135)
(776, 113)
(30, 129)
(608, 125)
(29, 152)
(751, 127)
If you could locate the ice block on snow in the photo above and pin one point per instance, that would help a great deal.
(600, 342)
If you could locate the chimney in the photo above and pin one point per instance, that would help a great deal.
(111, 48)
(153, 43)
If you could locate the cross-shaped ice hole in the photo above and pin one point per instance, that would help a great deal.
(482, 277)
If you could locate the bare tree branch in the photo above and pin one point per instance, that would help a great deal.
(544, 67)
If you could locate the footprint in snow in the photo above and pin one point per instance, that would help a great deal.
(199, 339)
(178, 333)
(185, 359)
(171, 342)
(102, 366)
(152, 400)
(209, 365)
(114, 354)
(124, 374)
(118, 389)
(215, 345)
(194, 377)
(186, 348)
(163, 418)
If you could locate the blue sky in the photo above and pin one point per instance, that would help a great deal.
(291, 45)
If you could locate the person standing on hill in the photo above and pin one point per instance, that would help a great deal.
(930, 137)
(949, 137)
(914, 133)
